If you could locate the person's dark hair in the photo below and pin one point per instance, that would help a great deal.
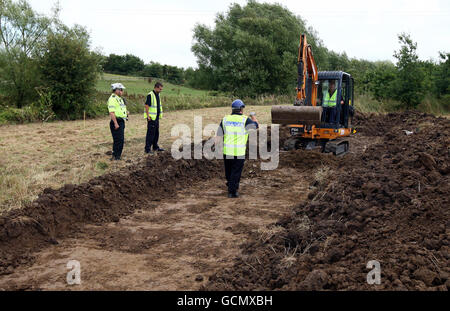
(158, 85)
(236, 110)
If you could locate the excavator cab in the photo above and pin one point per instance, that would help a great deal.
(342, 83)
(310, 126)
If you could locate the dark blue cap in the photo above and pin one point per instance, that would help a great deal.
(238, 104)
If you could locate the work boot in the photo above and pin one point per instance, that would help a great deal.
(149, 152)
(233, 195)
(159, 149)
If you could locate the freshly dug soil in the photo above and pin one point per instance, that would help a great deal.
(389, 204)
(387, 201)
(107, 198)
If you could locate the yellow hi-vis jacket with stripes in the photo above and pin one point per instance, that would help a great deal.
(235, 135)
(116, 105)
(153, 109)
(329, 102)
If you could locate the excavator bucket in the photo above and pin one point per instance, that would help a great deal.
(305, 115)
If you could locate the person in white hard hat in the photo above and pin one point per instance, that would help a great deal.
(118, 112)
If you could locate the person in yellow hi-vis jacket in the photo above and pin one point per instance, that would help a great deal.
(153, 113)
(118, 113)
(234, 130)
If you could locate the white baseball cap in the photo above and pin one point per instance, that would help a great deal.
(116, 86)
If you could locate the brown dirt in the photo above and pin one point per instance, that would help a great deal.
(390, 203)
(158, 226)
(163, 245)
(58, 212)
(313, 224)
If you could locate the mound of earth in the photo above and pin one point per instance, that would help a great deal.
(389, 204)
(107, 198)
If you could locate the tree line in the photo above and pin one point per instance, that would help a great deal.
(133, 65)
(252, 50)
(50, 69)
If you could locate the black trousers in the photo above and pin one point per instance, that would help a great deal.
(332, 114)
(233, 172)
(152, 135)
(118, 137)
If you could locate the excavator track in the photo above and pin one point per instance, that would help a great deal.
(292, 143)
(296, 142)
(338, 147)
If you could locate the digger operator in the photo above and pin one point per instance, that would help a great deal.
(331, 111)
(234, 130)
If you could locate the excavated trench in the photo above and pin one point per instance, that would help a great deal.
(312, 224)
(387, 202)
(159, 224)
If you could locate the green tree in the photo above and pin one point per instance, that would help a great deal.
(173, 74)
(252, 49)
(442, 75)
(154, 70)
(380, 80)
(358, 69)
(200, 78)
(409, 83)
(69, 70)
(127, 64)
(113, 64)
(133, 64)
(22, 32)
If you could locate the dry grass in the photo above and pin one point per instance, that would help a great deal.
(37, 156)
(305, 224)
(265, 234)
(321, 176)
(289, 259)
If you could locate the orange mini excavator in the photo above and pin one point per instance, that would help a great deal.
(309, 126)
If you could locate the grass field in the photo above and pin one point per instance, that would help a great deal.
(141, 86)
(40, 155)
(174, 97)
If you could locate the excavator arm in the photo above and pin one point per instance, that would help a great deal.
(304, 110)
(307, 72)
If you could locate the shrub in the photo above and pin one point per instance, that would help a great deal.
(69, 71)
(17, 116)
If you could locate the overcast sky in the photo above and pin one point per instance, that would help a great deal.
(161, 30)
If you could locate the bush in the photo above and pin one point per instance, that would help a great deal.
(409, 82)
(125, 65)
(44, 106)
(437, 106)
(18, 116)
(70, 71)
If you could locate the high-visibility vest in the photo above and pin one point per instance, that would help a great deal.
(117, 105)
(329, 102)
(153, 109)
(235, 135)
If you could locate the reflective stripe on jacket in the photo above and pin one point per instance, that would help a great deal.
(117, 105)
(330, 102)
(153, 108)
(235, 135)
